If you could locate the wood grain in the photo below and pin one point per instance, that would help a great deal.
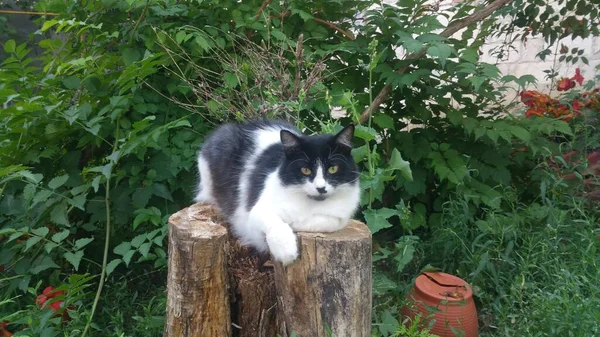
(197, 283)
(329, 285)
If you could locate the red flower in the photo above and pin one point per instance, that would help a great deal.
(533, 112)
(49, 293)
(578, 76)
(565, 84)
(576, 105)
(528, 97)
(4, 330)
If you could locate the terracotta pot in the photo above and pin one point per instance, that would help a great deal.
(446, 299)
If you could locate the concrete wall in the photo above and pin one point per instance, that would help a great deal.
(523, 60)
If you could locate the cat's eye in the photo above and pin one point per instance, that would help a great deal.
(306, 171)
(332, 169)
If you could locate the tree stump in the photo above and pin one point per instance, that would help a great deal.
(197, 282)
(252, 293)
(218, 288)
(329, 286)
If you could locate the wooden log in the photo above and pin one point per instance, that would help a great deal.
(252, 292)
(329, 285)
(197, 282)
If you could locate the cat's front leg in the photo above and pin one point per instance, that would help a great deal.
(279, 235)
(320, 223)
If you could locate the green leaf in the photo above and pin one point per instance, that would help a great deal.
(122, 248)
(181, 36)
(162, 191)
(40, 231)
(141, 197)
(60, 236)
(74, 258)
(406, 250)
(477, 81)
(449, 165)
(279, 35)
(382, 284)
(440, 50)
(140, 218)
(33, 178)
(29, 192)
(71, 82)
(138, 240)
(520, 133)
(145, 248)
(201, 41)
(389, 325)
(48, 24)
(110, 267)
(130, 55)
(231, 81)
(359, 153)
(304, 15)
(563, 127)
(411, 45)
(49, 246)
(377, 219)
(127, 257)
(523, 80)
(96, 183)
(57, 182)
(79, 201)
(365, 133)
(83, 242)
(454, 116)
(32, 241)
(10, 46)
(58, 215)
(397, 163)
(45, 263)
(384, 121)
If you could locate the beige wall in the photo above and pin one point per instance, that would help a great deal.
(523, 60)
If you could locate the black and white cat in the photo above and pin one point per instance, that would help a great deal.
(270, 180)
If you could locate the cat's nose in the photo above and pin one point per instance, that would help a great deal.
(322, 190)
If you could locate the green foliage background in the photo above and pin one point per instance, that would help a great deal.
(99, 133)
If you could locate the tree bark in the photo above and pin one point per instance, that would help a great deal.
(197, 283)
(252, 293)
(329, 286)
(216, 287)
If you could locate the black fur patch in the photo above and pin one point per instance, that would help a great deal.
(228, 148)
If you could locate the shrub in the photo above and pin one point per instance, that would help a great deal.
(99, 135)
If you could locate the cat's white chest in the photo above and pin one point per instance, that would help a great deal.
(304, 214)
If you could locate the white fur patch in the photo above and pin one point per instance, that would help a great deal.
(206, 185)
(280, 210)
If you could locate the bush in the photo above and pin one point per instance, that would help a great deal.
(100, 133)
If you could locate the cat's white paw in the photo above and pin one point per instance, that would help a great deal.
(282, 244)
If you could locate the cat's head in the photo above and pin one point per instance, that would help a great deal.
(319, 166)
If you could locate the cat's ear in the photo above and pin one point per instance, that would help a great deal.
(344, 137)
(291, 142)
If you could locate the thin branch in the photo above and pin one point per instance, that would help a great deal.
(137, 23)
(452, 28)
(261, 9)
(331, 25)
(26, 13)
(299, 58)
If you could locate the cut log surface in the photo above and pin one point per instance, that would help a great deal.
(328, 286)
(197, 283)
